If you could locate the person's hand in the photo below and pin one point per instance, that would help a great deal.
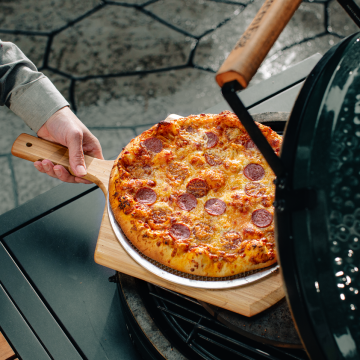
(66, 129)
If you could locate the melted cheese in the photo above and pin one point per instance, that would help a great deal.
(183, 158)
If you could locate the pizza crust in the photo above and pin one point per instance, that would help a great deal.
(168, 172)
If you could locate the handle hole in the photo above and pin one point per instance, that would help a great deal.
(29, 144)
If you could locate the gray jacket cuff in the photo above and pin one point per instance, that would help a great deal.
(36, 102)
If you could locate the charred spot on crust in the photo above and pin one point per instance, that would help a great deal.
(124, 202)
(261, 258)
(166, 129)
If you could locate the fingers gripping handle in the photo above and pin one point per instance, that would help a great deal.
(35, 149)
(256, 42)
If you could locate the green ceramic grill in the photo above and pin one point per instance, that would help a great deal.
(317, 200)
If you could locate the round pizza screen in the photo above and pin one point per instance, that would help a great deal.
(195, 194)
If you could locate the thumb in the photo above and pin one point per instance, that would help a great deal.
(76, 154)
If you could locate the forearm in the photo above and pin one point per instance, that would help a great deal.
(27, 92)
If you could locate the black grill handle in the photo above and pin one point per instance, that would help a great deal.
(352, 10)
(229, 93)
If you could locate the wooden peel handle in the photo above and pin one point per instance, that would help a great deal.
(256, 42)
(34, 149)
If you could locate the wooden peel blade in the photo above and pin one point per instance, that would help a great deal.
(33, 149)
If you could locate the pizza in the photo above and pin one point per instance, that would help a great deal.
(195, 194)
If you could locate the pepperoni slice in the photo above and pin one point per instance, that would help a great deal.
(212, 160)
(212, 139)
(186, 201)
(254, 172)
(153, 144)
(145, 196)
(197, 187)
(255, 189)
(261, 218)
(215, 206)
(179, 232)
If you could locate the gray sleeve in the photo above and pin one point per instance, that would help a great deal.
(27, 92)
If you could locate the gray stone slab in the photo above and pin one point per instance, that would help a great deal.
(338, 21)
(117, 39)
(62, 83)
(281, 60)
(139, 100)
(11, 126)
(7, 198)
(132, 2)
(41, 15)
(308, 21)
(29, 181)
(214, 48)
(141, 129)
(112, 141)
(184, 14)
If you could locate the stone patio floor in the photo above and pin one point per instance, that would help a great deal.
(124, 66)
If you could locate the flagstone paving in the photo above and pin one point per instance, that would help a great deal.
(124, 66)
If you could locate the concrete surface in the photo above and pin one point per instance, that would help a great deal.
(126, 65)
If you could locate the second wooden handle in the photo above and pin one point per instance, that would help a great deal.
(34, 149)
(256, 42)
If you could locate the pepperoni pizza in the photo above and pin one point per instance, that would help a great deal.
(195, 194)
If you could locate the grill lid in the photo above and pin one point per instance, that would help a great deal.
(317, 201)
(319, 246)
